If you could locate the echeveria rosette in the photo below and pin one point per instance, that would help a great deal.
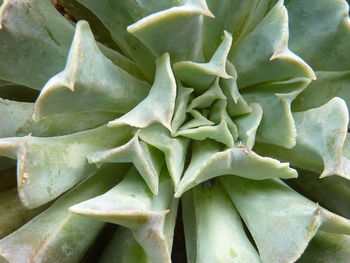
(239, 108)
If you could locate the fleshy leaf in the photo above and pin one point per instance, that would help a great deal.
(248, 125)
(182, 98)
(123, 248)
(330, 37)
(208, 97)
(277, 124)
(14, 214)
(26, 25)
(263, 55)
(332, 192)
(323, 131)
(198, 121)
(177, 30)
(47, 167)
(219, 113)
(236, 104)
(327, 86)
(219, 133)
(327, 247)
(17, 120)
(208, 161)
(57, 235)
(268, 208)
(147, 160)
(159, 105)
(174, 149)
(132, 205)
(200, 75)
(90, 82)
(214, 218)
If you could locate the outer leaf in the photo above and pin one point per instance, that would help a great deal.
(14, 214)
(323, 131)
(332, 192)
(26, 25)
(177, 30)
(57, 235)
(123, 248)
(208, 161)
(330, 37)
(159, 105)
(277, 123)
(82, 88)
(263, 56)
(130, 204)
(17, 120)
(216, 219)
(47, 167)
(327, 86)
(327, 247)
(268, 208)
(116, 16)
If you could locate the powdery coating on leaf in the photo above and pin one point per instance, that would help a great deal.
(197, 101)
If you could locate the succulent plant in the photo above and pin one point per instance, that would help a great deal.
(237, 109)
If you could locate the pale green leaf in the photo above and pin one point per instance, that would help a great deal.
(236, 105)
(57, 235)
(218, 113)
(329, 84)
(132, 205)
(327, 247)
(281, 221)
(174, 149)
(159, 105)
(248, 124)
(263, 55)
(219, 233)
(209, 161)
(332, 192)
(200, 75)
(147, 160)
(198, 121)
(207, 98)
(47, 167)
(17, 120)
(277, 124)
(117, 15)
(14, 214)
(90, 82)
(220, 133)
(177, 30)
(26, 25)
(182, 98)
(123, 248)
(323, 43)
(323, 131)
